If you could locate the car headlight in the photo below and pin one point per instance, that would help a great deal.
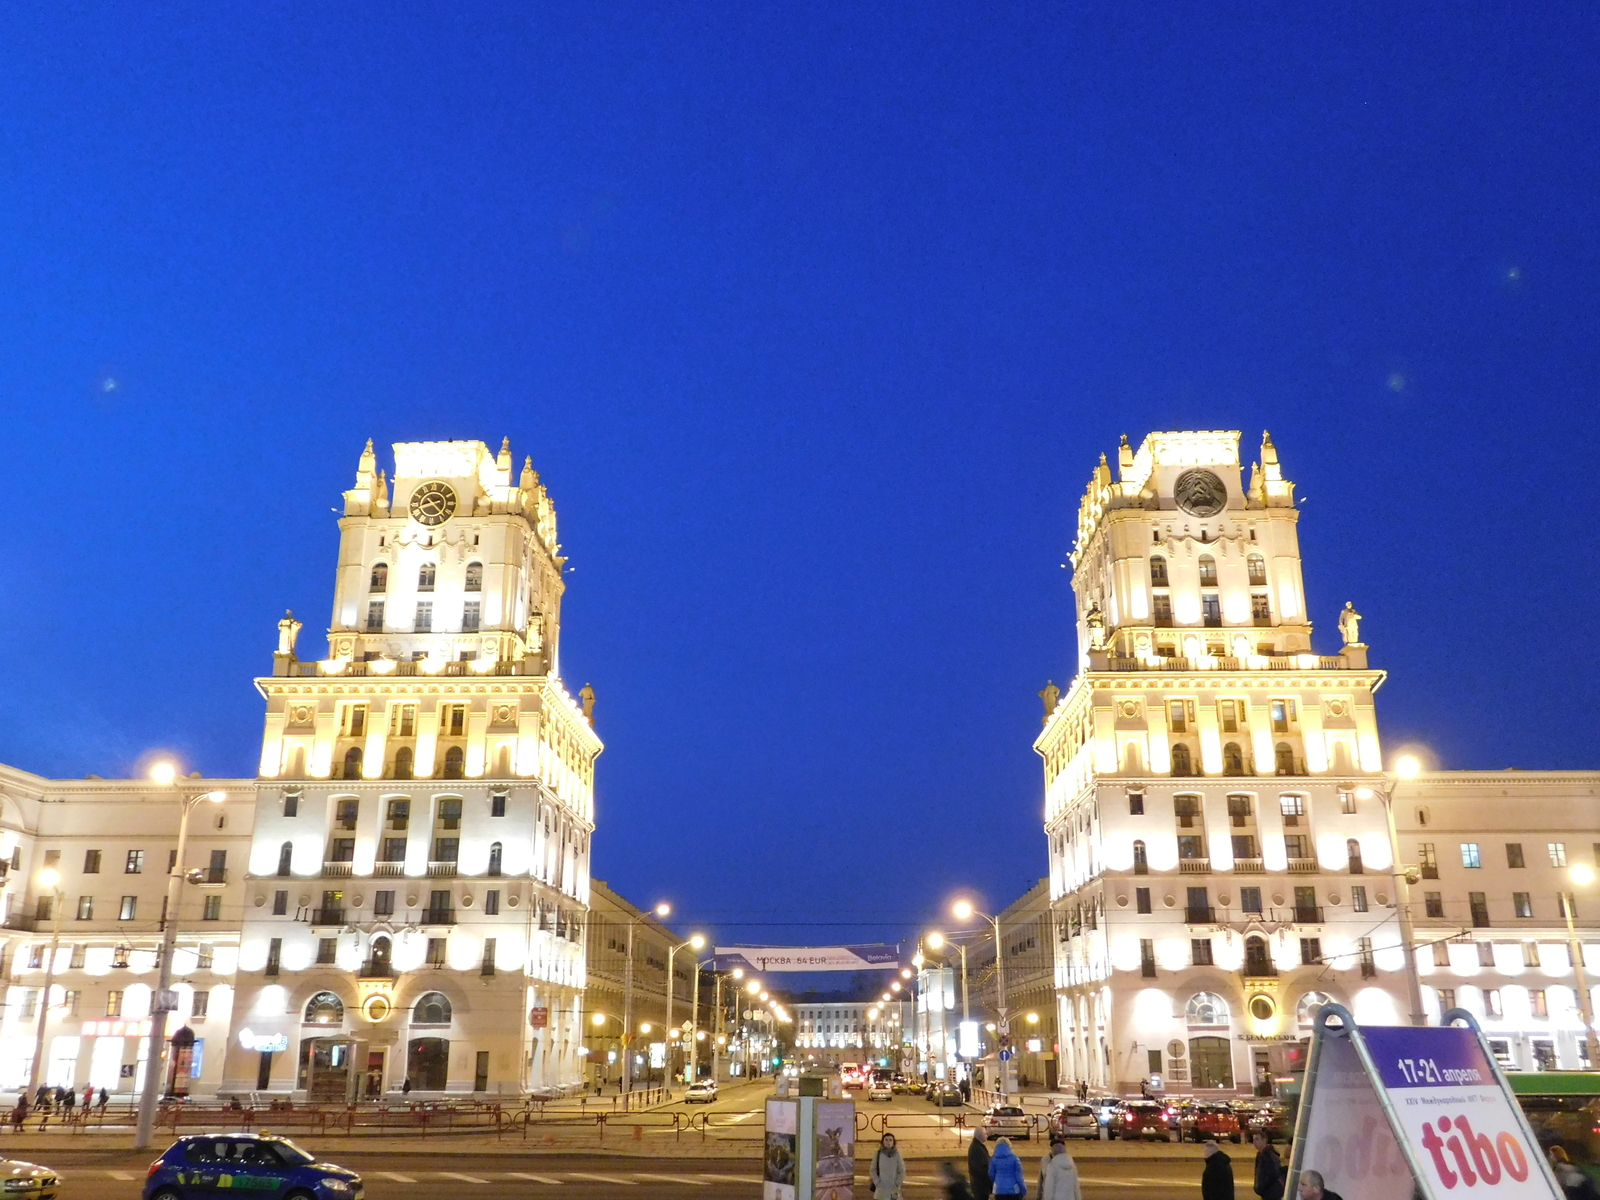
(336, 1185)
(21, 1185)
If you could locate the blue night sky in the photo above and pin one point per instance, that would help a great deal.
(815, 322)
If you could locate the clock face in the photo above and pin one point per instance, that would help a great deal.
(433, 503)
(1199, 493)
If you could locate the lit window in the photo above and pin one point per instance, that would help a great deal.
(1558, 854)
(113, 1004)
(1523, 903)
(85, 908)
(1358, 898)
(425, 577)
(135, 862)
(1491, 1003)
(1469, 855)
(1537, 1002)
(129, 910)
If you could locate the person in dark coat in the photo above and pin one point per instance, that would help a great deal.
(1269, 1169)
(978, 1167)
(1313, 1188)
(1216, 1179)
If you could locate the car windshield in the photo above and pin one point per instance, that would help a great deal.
(1009, 1111)
(1080, 1110)
(290, 1153)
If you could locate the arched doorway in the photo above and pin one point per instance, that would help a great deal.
(1257, 957)
(428, 1064)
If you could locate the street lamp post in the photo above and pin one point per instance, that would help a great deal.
(49, 879)
(155, 1066)
(694, 1022)
(695, 942)
(1407, 767)
(964, 910)
(661, 910)
(1582, 875)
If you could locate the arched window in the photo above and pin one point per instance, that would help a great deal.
(352, 763)
(324, 1009)
(380, 577)
(425, 575)
(455, 763)
(1258, 569)
(432, 1009)
(1257, 958)
(1283, 757)
(285, 857)
(494, 858)
(1306, 1011)
(404, 759)
(1206, 1008)
(1158, 571)
(1208, 571)
(1141, 865)
(1353, 848)
(378, 965)
(1232, 759)
(474, 577)
(427, 1063)
(1182, 764)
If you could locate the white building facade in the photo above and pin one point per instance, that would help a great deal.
(858, 1031)
(1220, 858)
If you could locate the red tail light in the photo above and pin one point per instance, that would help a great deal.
(153, 1168)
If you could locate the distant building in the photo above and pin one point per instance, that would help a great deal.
(835, 1032)
(1219, 847)
(606, 1000)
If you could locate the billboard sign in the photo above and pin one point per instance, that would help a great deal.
(808, 958)
(1391, 1112)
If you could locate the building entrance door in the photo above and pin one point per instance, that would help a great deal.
(372, 1084)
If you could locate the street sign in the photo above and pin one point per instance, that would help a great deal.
(1388, 1113)
(1005, 1056)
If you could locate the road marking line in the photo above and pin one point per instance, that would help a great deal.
(730, 1178)
(601, 1178)
(551, 1179)
(125, 1176)
(460, 1176)
(396, 1176)
(667, 1178)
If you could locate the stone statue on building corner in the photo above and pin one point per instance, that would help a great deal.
(1051, 695)
(1096, 622)
(288, 633)
(587, 696)
(1350, 624)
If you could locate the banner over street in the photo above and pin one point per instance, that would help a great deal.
(808, 958)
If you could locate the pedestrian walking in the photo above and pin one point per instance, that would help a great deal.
(105, 1099)
(19, 1114)
(1216, 1177)
(405, 1088)
(978, 1167)
(888, 1170)
(1313, 1188)
(1058, 1174)
(1574, 1182)
(1269, 1168)
(955, 1186)
(69, 1102)
(1005, 1169)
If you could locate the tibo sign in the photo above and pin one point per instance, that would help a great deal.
(1392, 1112)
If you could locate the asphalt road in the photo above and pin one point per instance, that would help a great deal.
(119, 1175)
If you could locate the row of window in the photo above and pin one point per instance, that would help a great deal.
(1235, 762)
(1531, 955)
(1297, 848)
(433, 1008)
(1478, 905)
(1472, 856)
(1538, 1003)
(1187, 807)
(427, 573)
(1255, 568)
(422, 617)
(127, 910)
(205, 955)
(199, 1004)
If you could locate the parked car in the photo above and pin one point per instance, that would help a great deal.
(1074, 1120)
(701, 1091)
(908, 1087)
(1145, 1119)
(1271, 1118)
(944, 1095)
(1109, 1110)
(880, 1089)
(255, 1162)
(27, 1181)
(1197, 1122)
(1007, 1120)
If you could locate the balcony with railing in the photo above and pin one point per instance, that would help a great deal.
(336, 870)
(1194, 866)
(1257, 969)
(378, 970)
(211, 877)
(327, 916)
(388, 870)
(1195, 915)
(381, 668)
(1248, 866)
(437, 916)
(442, 870)
(1302, 866)
(1289, 662)
(1308, 914)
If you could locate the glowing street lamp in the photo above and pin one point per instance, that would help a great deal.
(695, 942)
(661, 910)
(162, 1001)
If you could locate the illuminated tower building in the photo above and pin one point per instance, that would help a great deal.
(419, 867)
(1219, 852)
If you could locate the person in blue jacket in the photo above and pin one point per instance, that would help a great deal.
(1005, 1168)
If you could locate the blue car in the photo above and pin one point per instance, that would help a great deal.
(238, 1164)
